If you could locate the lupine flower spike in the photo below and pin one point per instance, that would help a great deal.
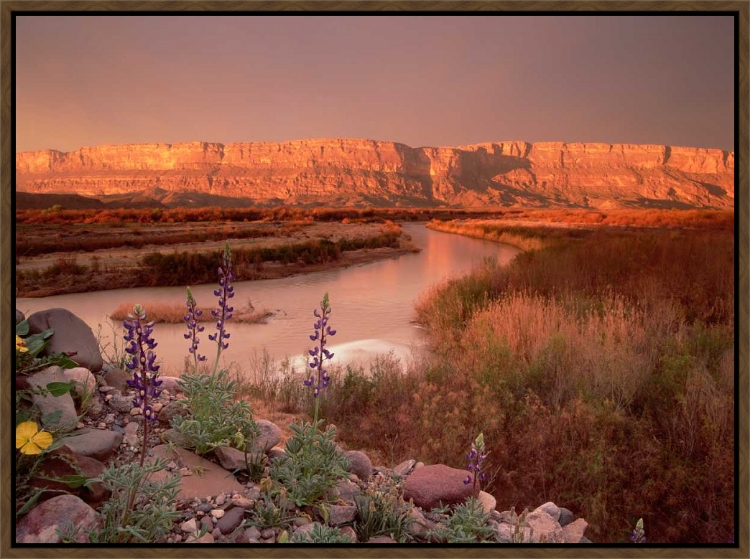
(191, 318)
(476, 458)
(142, 361)
(224, 311)
(319, 378)
(639, 534)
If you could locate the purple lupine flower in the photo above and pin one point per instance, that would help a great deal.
(319, 378)
(191, 318)
(224, 293)
(476, 458)
(639, 534)
(142, 361)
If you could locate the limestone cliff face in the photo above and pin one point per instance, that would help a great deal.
(503, 173)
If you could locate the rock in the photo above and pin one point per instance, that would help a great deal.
(305, 530)
(175, 437)
(131, 428)
(437, 485)
(341, 514)
(62, 462)
(130, 440)
(170, 384)
(20, 317)
(231, 520)
(566, 517)
(217, 513)
(348, 532)
(243, 502)
(85, 381)
(404, 468)
(270, 435)
(417, 524)
(488, 502)
(121, 403)
(381, 539)
(544, 528)
(71, 335)
(51, 404)
(573, 532)
(550, 508)
(41, 523)
(207, 524)
(206, 538)
(359, 464)
(209, 479)
(189, 526)
(95, 406)
(117, 379)
(170, 410)
(234, 460)
(345, 490)
(135, 411)
(268, 534)
(95, 443)
(252, 533)
(585, 540)
(276, 452)
(220, 499)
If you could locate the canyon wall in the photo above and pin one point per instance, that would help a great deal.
(342, 171)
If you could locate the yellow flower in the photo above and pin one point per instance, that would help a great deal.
(30, 440)
(19, 345)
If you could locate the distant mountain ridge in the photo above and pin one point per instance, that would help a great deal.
(366, 172)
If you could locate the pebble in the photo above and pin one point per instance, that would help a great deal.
(221, 499)
(135, 411)
(268, 533)
(185, 472)
(157, 406)
(252, 533)
(102, 426)
(80, 425)
(106, 389)
(243, 502)
(217, 513)
(108, 397)
(189, 526)
(205, 507)
(109, 418)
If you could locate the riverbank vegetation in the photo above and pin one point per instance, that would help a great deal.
(193, 267)
(602, 368)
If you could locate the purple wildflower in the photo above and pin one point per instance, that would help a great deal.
(319, 379)
(476, 458)
(191, 318)
(142, 360)
(224, 311)
(639, 534)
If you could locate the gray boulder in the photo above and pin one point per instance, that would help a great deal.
(51, 404)
(359, 464)
(71, 335)
(62, 512)
(96, 443)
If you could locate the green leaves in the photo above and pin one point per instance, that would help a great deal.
(312, 464)
(57, 389)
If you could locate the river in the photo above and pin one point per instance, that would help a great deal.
(373, 305)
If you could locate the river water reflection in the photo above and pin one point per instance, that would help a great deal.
(373, 304)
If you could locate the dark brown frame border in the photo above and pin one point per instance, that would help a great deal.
(7, 159)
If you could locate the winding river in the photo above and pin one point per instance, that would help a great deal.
(373, 305)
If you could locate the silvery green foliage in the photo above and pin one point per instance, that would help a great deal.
(312, 464)
(381, 510)
(322, 534)
(154, 509)
(468, 524)
(214, 418)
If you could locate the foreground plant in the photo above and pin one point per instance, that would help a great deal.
(467, 524)
(639, 534)
(476, 457)
(381, 510)
(224, 311)
(214, 418)
(191, 318)
(319, 378)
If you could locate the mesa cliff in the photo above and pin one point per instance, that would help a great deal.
(349, 171)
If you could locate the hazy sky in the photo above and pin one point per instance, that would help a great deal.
(419, 80)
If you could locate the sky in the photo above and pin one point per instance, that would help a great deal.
(419, 80)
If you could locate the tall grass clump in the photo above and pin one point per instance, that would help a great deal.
(601, 370)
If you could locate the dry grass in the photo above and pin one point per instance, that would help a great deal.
(174, 313)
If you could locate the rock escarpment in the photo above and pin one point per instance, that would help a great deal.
(340, 171)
